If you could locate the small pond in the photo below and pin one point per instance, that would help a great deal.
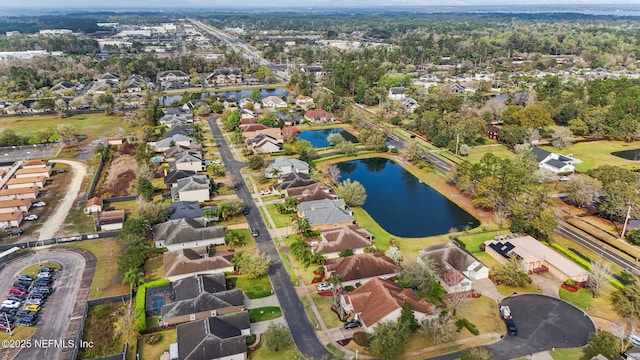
(402, 204)
(633, 154)
(318, 138)
(168, 99)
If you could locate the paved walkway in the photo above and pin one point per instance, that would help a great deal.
(261, 302)
(488, 289)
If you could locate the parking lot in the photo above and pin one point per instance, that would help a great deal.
(54, 316)
(14, 153)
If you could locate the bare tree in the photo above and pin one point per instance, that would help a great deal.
(439, 330)
(333, 173)
(598, 274)
(583, 189)
(457, 299)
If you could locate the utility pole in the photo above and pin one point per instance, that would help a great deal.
(457, 142)
(626, 221)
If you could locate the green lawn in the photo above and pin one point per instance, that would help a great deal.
(507, 290)
(472, 242)
(264, 313)
(476, 153)
(33, 269)
(281, 220)
(567, 354)
(262, 353)
(323, 303)
(254, 288)
(20, 333)
(597, 153)
(155, 351)
(153, 268)
(92, 125)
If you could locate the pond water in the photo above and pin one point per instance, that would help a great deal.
(168, 99)
(628, 154)
(318, 138)
(402, 204)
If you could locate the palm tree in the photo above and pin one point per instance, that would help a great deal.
(224, 211)
(134, 277)
(301, 226)
(232, 239)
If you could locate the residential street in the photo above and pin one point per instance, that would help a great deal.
(301, 328)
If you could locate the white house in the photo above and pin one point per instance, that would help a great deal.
(397, 93)
(554, 162)
(456, 268)
(273, 102)
(284, 166)
(192, 188)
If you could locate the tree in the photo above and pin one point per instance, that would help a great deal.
(333, 173)
(335, 139)
(289, 132)
(134, 227)
(421, 275)
(61, 107)
(440, 329)
(602, 342)
(353, 192)
(415, 152)
(626, 301)
(67, 133)
(256, 95)
(598, 274)
(277, 337)
(346, 147)
(255, 162)
(145, 188)
(345, 252)
(229, 208)
(561, 137)
(476, 354)
(254, 266)
(389, 339)
(407, 317)
(233, 239)
(133, 277)
(301, 226)
(262, 73)
(512, 273)
(455, 300)
(154, 212)
(394, 253)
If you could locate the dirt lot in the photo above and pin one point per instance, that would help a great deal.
(120, 174)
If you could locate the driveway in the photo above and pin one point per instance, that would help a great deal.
(55, 221)
(303, 332)
(543, 323)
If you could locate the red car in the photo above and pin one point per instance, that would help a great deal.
(17, 291)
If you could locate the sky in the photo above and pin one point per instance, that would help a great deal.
(295, 3)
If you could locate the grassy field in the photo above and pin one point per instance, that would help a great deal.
(264, 313)
(92, 125)
(483, 313)
(154, 351)
(254, 288)
(153, 269)
(106, 281)
(568, 354)
(20, 333)
(598, 307)
(476, 153)
(281, 220)
(262, 353)
(472, 241)
(597, 153)
(323, 303)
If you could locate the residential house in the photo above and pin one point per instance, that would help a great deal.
(381, 300)
(191, 105)
(315, 191)
(315, 70)
(224, 77)
(326, 214)
(250, 131)
(179, 264)
(333, 241)
(304, 102)
(44, 172)
(484, 76)
(534, 256)
(172, 77)
(264, 144)
(185, 209)
(99, 87)
(457, 88)
(492, 132)
(11, 219)
(130, 100)
(554, 162)
(186, 234)
(30, 164)
(215, 338)
(284, 166)
(318, 116)
(94, 205)
(273, 102)
(410, 104)
(397, 93)
(167, 143)
(248, 106)
(289, 118)
(456, 267)
(172, 177)
(19, 193)
(26, 182)
(111, 220)
(173, 120)
(188, 161)
(192, 188)
(293, 180)
(170, 153)
(360, 268)
(109, 78)
(63, 87)
(200, 297)
(135, 83)
(18, 205)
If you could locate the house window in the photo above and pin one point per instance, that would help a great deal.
(192, 317)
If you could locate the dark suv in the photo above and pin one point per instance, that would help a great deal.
(15, 232)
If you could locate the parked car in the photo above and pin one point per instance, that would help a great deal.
(634, 339)
(26, 321)
(255, 232)
(11, 304)
(8, 311)
(22, 284)
(28, 278)
(352, 324)
(17, 291)
(22, 313)
(245, 210)
(15, 232)
(324, 287)
(31, 217)
(43, 282)
(93, 236)
(44, 275)
(505, 312)
(17, 298)
(39, 295)
(32, 307)
(46, 269)
(6, 327)
(33, 301)
(39, 204)
(512, 330)
(44, 289)
(265, 192)
(6, 318)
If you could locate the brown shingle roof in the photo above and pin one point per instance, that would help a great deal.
(361, 266)
(14, 203)
(377, 298)
(315, 191)
(94, 201)
(34, 170)
(42, 163)
(344, 237)
(18, 191)
(16, 215)
(32, 179)
(187, 261)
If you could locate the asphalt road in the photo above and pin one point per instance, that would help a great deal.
(597, 247)
(56, 312)
(302, 330)
(438, 162)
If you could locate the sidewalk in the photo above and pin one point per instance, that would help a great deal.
(261, 302)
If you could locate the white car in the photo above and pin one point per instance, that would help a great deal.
(40, 204)
(505, 312)
(324, 286)
(265, 192)
(34, 301)
(11, 304)
(31, 217)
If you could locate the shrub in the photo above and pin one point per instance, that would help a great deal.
(465, 323)
(348, 288)
(154, 339)
(361, 338)
(393, 150)
(570, 282)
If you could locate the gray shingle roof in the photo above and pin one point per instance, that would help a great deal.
(213, 338)
(190, 287)
(204, 301)
(195, 182)
(173, 176)
(325, 211)
(185, 209)
(540, 154)
(185, 230)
